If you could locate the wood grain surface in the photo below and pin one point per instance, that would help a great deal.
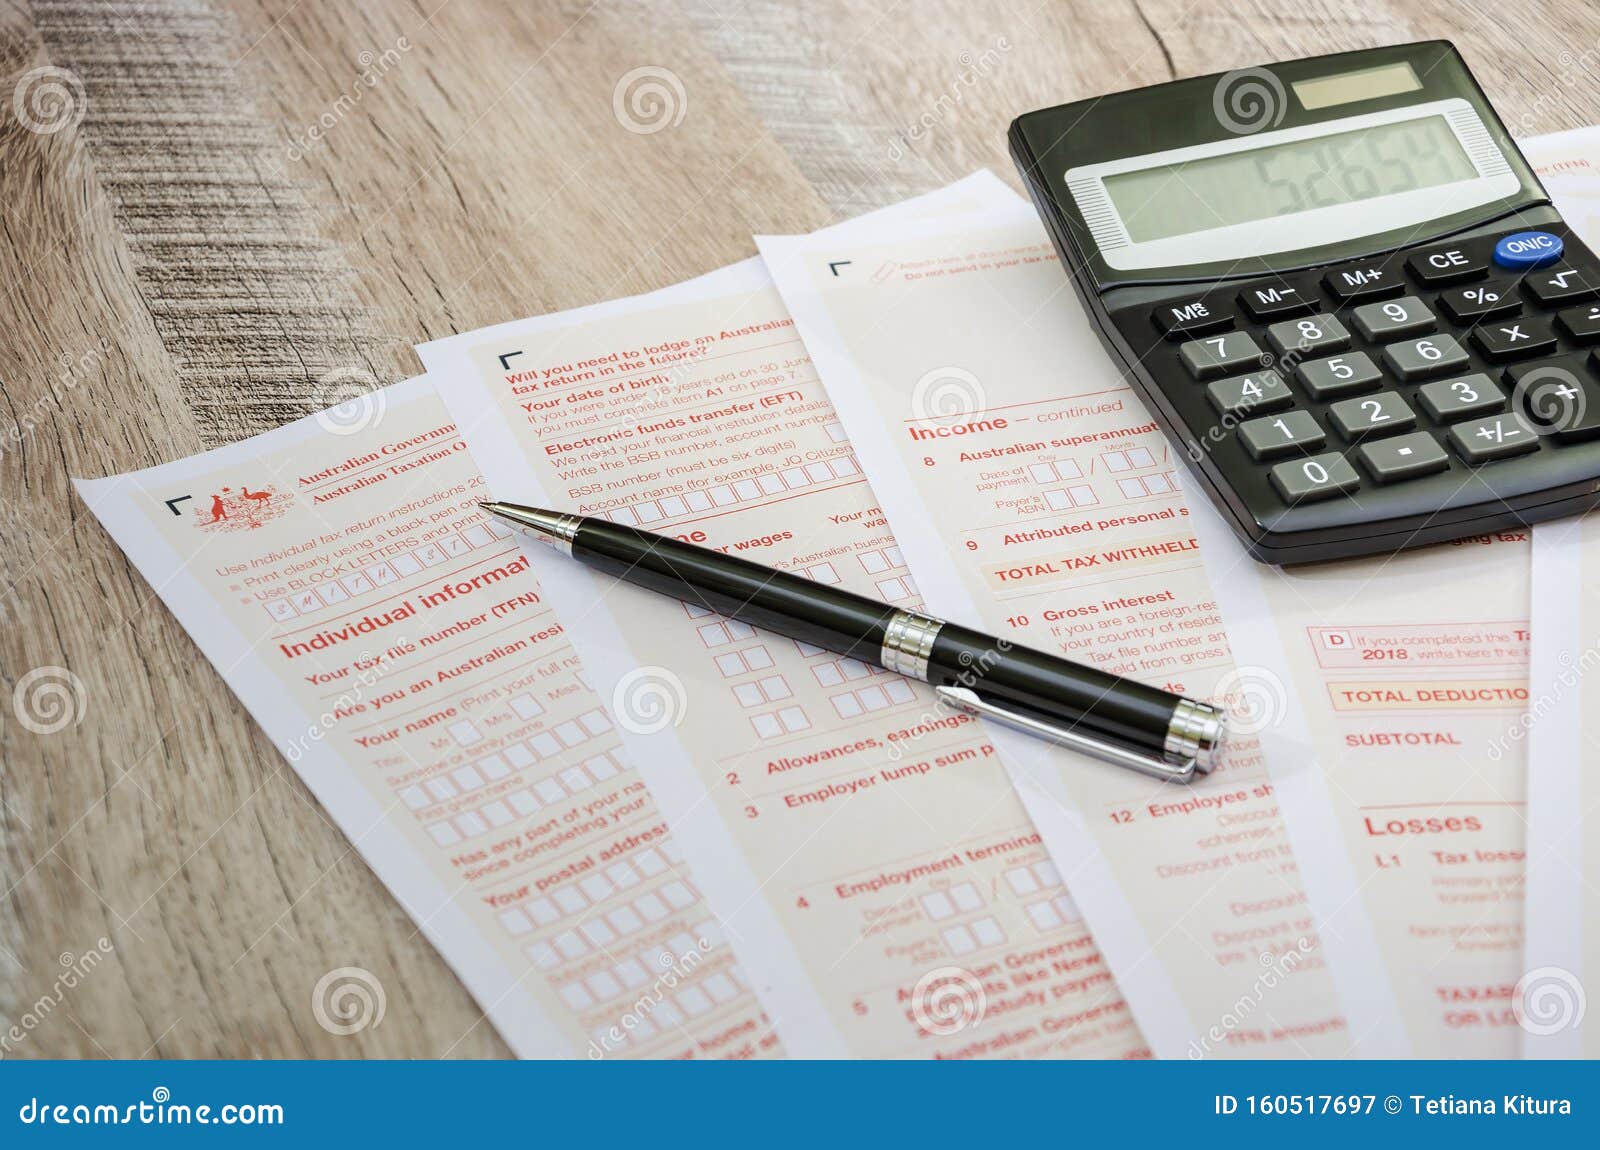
(222, 214)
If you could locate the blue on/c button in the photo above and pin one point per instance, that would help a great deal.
(1527, 250)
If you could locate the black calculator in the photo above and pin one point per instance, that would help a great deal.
(1343, 292)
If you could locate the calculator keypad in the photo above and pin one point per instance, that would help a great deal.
(1442, 358)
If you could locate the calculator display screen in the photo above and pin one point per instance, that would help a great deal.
(1283, 179)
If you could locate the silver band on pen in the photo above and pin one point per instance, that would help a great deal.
(908, 643)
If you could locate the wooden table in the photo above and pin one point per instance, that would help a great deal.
(223, 214)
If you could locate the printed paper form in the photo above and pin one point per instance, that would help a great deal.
(1037, 501)
(1561, 962)
(1407, 675)
(394, 645)
(865, 853)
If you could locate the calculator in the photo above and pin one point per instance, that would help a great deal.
(1342, 292)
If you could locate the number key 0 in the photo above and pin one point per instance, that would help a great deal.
(1321, 476)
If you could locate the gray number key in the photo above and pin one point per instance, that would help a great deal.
(1430, 355)
(1321, 476)
(1220, 354)
(1253, 394)
(1394, 318)
(1451, 399)
(1379, 414)
(1275, 435)
(1497, 437)
(1313, 334)
(1403, 457)
(1339, 375)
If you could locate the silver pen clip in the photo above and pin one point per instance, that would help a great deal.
(1179, 771)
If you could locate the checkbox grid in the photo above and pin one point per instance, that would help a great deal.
(891, 693)
(1129, 459)
(380, 576)
(734, 663)
(1078, 495)
(1055, 472)
(579, 926)
(650, 511)
(879, 560)
(965, 938)
(1050, 913)
(758, 692)
(775, 724)
(1139, 486)
(963, 898)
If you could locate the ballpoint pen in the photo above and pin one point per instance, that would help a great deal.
(1114, 719)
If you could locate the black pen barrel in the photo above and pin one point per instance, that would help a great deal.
(1043, 685)
(1124, 710)
(761, 596)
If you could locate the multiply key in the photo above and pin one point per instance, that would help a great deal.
(1505, 339)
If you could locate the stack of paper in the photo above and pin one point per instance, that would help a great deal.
(638, 829)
